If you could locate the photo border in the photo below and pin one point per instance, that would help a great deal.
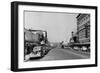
(14, 35)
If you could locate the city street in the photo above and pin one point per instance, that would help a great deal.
(62, 54)
(75, 36)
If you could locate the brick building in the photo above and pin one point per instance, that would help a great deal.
(83, 28)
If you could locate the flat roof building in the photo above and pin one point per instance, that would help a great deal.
(83, 28)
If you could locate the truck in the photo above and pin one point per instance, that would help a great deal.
(35, 44)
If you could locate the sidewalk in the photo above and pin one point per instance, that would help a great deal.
(79, 52)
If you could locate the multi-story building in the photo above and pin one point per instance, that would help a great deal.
(83, 28)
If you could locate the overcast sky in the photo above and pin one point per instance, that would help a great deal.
(58, 25)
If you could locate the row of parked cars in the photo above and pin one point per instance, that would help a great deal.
(35, 44)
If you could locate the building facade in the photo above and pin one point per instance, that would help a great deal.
(83, 28)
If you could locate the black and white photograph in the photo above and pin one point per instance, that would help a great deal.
(56, 36)
(53, 36)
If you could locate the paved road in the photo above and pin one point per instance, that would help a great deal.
(62, 54)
